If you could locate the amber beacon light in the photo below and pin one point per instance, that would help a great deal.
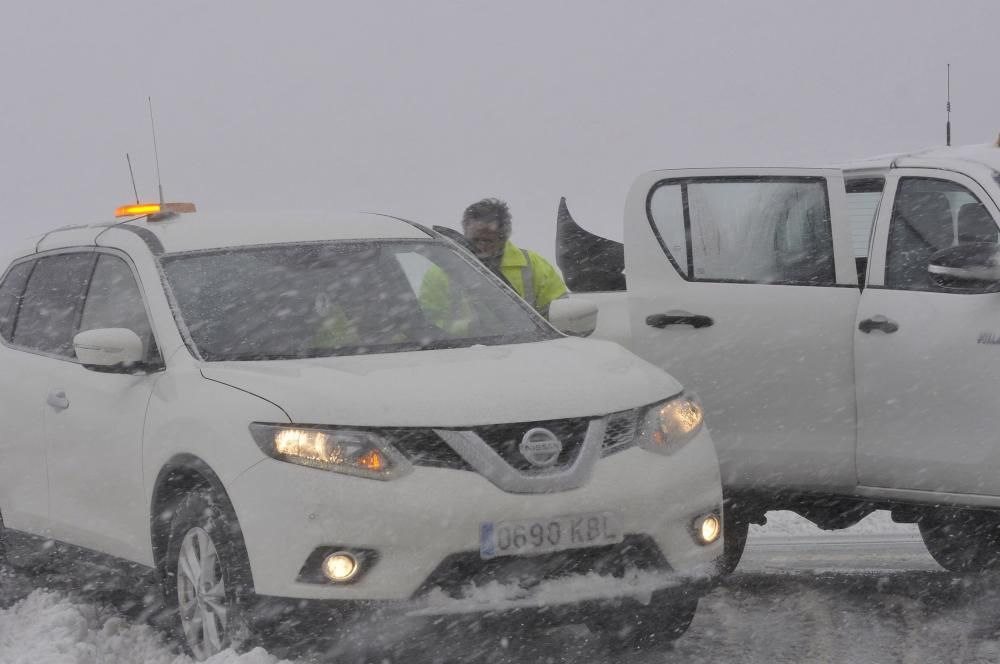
(142, 209)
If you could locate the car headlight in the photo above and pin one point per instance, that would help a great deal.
(343, 450)
(672, 424)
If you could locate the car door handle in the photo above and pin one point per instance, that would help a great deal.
(880, 323)
(57, 400)
(679, 318)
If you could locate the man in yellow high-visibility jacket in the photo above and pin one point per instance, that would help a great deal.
(487, 225)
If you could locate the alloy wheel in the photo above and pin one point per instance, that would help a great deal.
(201, 594)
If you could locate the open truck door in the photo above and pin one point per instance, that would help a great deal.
(742, 284)
(926, 338)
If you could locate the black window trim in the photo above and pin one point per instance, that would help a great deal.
(685, 181)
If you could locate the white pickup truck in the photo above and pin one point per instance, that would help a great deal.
(841, 326)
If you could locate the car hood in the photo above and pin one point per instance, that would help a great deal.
(566, 377)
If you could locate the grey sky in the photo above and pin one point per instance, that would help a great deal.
(419, 108)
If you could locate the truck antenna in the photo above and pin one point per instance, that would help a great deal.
(947, 126)
(132, 174)
(156, 154)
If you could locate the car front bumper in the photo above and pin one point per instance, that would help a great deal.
(416, 522)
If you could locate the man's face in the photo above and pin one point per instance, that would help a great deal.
(485, 236)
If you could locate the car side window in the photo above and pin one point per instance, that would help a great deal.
(929, 215)
(51, 304)
(114, 300)
(746, 229)
(11, 291)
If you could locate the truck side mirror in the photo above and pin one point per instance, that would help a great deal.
(968, 267)
(573, 316)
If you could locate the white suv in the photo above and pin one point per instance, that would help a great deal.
(260, 412)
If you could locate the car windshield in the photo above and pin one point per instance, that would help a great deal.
(341, 298)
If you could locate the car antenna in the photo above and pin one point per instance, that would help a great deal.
(132, 174)
(151, 211)
(947, 126)
(156, 154)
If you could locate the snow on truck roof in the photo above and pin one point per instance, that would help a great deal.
(201, 230)
(966, 158)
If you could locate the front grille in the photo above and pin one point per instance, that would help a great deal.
(423, 447)
(621, 431)
(505, 440)
(459, 573)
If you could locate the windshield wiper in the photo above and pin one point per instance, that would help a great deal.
(375, 349)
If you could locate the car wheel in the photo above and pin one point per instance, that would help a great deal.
(634, 627)
(3, 544)
(24, 562)
(962, 540)
(735, 530)
(208, 581)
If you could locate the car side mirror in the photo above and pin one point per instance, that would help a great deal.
(110, 349)
(573, 316)
(968, 267)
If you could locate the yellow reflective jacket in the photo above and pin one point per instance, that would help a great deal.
(546, 283)
(517, 266)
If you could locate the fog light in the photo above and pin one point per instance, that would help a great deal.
(340, 566)
(708, 529)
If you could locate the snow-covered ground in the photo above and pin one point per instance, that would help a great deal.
(912, 613)
(50, 627)
(791, 524)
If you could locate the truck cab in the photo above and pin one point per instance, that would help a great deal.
(841, 326)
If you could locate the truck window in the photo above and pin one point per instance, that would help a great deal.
(746, 229)
(864, 195)
(929, 215)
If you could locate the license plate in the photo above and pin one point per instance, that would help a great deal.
(530, 536)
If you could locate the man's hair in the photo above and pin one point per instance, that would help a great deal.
(490, 210)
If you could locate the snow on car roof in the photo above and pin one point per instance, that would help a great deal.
(210, 230)
(189, 232)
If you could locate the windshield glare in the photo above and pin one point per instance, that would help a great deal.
(341, 298)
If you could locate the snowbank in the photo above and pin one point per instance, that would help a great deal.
(47, 628)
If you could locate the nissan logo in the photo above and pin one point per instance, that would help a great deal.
(540, 447)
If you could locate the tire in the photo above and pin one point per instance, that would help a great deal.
(25, 563)
(207, 580)
(3, 544)
(635, 627)
(962, 540)
(735, 530)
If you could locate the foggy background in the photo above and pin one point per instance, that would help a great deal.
(419, 108)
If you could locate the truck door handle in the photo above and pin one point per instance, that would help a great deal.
(679, 318)
(880, 323)
(57, 400)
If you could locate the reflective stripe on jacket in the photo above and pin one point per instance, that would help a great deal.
(522, 267)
